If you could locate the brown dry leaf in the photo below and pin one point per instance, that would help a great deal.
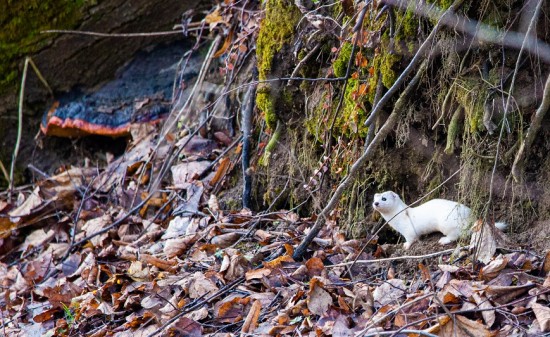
(263, 237)
(184, 173)
(159, 263)
(389, 292)
(504, 294)
(176, 247)
(31, 203)
(251, 320)
(226, 44)
(221, 171)
(179, 226)
(39, 267)
(238, 266)
(137, 272)
(198, 315)
(65, 184)
(363, 297)
(185, 327)
(6, 226)
(318, 299)
(214, 205)
(542, 313)
(314, 267)
(95, 225)
(483, 303)
(190, 206)
(464, 328)
(62, 294)
(546, 264)
(483, 241)
(225, 240)
(200, 285)
(37, 238)
(492, 270)
(45, 315)
(257, 273)
(276, 263)
(231, 309)
(425, 272)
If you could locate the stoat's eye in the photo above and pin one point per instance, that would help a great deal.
(383, 199)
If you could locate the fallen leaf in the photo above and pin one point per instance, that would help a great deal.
(389, 292)
(542, 313)
(251, 320)
(318, 299)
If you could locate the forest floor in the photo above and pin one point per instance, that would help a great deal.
(142, 247)
(174, 263)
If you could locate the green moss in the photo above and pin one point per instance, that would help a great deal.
(21, 23)
(264, 102)
(470, 94)
(340, 64)
(276, 29)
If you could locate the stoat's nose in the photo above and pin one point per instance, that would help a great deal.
(376, 203)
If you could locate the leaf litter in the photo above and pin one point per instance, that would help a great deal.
(184, 266)
(92, 251)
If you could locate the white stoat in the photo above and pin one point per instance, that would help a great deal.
(437, 215)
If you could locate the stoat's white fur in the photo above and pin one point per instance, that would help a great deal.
(437, 215)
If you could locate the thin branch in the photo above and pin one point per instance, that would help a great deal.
(98, 34)
(406, 257)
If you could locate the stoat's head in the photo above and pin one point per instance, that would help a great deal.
(385, 202)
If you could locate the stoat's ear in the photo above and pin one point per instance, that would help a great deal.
(394, 195)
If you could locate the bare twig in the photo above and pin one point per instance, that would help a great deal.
(99, 34)
(406, 257)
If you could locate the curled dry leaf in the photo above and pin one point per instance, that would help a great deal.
(28, 206)
(225, 240)
(251, 320)
(491, 270)
(257, 273)
(483, 303)
(176, 247)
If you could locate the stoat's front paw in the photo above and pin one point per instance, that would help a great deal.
(445, 241)
(407, 245)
